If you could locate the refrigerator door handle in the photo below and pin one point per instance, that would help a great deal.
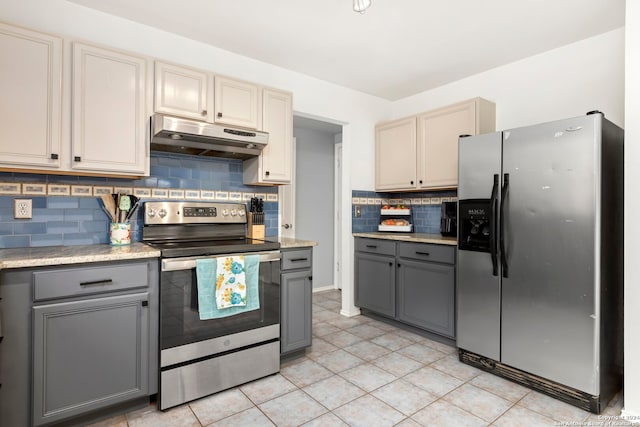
(503, 254)
(493, 242)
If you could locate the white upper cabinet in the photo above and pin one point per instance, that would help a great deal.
(275, 163)
(183, 92)
(30, 100)
(237, 103)
(109, 115)
(396, 154)
(421, 152)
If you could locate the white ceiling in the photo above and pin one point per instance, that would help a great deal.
(396, 49)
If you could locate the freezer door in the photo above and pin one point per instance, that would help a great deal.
(549, 310)
(478, 289)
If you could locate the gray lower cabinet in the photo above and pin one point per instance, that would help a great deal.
(375, 287)
(426, 296)
(295, 314)
(413, 283)
(89, 354)
(81, 338)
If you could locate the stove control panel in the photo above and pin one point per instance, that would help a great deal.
(194, 213)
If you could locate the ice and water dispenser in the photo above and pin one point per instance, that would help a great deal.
(475, 225)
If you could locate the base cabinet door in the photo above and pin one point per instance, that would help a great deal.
(295, 323)
(89, 354)
(426, 296)
(375, 286)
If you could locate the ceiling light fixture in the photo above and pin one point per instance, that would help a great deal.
(361, 5)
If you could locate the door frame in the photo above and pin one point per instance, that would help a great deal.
(337, 207)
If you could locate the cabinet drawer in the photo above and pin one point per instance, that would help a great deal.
(376, 246)
(296, 259)
(426, 252)
(58, 283)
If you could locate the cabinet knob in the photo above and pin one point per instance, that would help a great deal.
(220, 114)
(311, 278)
(267, 173)
(399, 264)
(286, 226)
(77, 159)
(204, 112)
(54, 156)
(420, 181)
(411, 182)
(390, 264)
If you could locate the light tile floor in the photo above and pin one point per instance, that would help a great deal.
(363, 372)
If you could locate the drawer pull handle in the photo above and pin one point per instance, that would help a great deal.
(299, 259)
(96, 282)
(423, 253)
(372, 246)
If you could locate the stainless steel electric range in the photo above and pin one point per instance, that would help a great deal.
(201, 357)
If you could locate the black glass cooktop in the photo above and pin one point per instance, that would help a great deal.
(175, 249)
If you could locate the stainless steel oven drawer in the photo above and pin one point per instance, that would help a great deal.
(296, 259)
(70, 282)
(189, 382)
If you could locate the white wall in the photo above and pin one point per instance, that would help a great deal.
(315, 199)
(561, 83)
(312, 97)
(632, 207)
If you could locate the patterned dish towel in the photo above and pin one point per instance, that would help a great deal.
(207, 280)
(231, 285)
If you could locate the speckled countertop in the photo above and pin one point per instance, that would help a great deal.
(289, 242)
(56, 255)
(411, 237)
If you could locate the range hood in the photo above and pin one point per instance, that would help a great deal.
(184, 136)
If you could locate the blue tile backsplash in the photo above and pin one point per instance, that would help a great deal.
(425, 217)
(64, 220)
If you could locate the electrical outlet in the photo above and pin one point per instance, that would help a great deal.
(22, 208)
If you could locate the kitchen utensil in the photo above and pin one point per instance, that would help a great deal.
(125, 206)
(134, 206)
(109, 206)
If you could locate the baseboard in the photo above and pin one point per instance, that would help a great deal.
(632, 417)
(323, 288)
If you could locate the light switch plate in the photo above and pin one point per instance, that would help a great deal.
(22, 208)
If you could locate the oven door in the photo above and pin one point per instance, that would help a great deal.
(184, 337)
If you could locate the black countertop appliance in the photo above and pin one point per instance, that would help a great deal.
(449, 219)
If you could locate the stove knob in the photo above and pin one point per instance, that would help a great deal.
(151, 213)
(233, 212)
(162, 213)
(241, 212)
(225, 212)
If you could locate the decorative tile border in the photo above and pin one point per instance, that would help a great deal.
(414, 201)
(44, 189)
(10, 188)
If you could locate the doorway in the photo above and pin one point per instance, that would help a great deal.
(308, 207)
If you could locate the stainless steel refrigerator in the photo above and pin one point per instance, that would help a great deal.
(540, 257)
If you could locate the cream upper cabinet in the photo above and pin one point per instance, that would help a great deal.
(438, 133)
(433, 163)
(109, 114)
(31, 88)
(183, 92)
(396, 155)
(275, 163)
(237, 103)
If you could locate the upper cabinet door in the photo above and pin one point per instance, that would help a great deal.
(183, 92)
(30, 84)
(277, 157)
(396, 155)
(109, 117)
(438, 133)
(237, 103)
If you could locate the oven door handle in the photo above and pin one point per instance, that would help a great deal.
(187, 263)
